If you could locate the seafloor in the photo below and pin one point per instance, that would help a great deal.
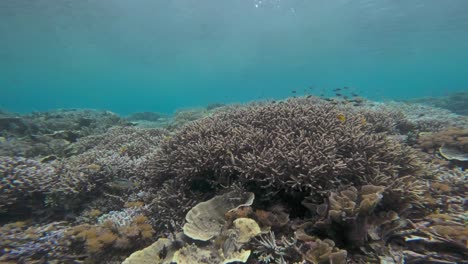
(303, 180)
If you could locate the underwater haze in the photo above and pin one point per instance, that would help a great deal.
(160, 55)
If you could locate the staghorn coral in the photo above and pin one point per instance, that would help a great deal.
(23, 181)
(160, 203)
(288, 146)
(109, 164)
(23, 242)
(131, 141)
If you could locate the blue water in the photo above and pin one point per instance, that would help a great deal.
(159, 55)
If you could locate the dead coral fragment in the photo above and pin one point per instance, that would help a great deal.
(206, 219)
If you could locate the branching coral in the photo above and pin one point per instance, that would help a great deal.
(112, 163)
(25, 243)
(288, 146)
(22, 180)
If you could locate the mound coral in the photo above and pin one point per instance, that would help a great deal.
(287, 146)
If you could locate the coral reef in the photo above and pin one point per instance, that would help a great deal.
(334, 181)
(351, 213)
(450, 143)
(183, 117)
(424, 118)
(286, 147)
(25, 243)
(148, 116)
(224, 240)
(206, 219)
(48, 133)
(22, 182)
(214, 106)
(455, 102)
(110, 164)
(114, 238)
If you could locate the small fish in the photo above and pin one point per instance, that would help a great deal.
(356, 104)
(341, 117)
(354, 94)
(329, 99)
(309, 96)
(311, 87)
(346, 97)
(346, 87)
(293, 91)
(322, 95)
(338, 94)
(363, 121)
(336, 90)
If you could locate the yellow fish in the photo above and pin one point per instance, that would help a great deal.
(363, 121)
(341, 117)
